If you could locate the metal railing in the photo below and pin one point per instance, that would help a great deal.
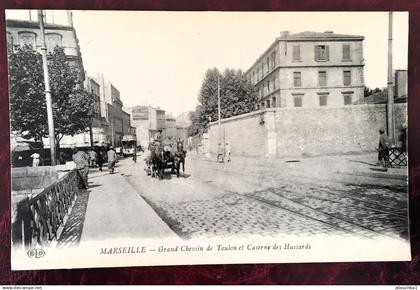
(39, 218)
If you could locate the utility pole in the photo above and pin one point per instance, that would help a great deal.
(47, 89)
(390, 107)
(218, 109)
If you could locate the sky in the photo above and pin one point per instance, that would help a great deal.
(160, 58)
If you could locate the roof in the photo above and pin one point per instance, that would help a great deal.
(35, 24)
(311, 35)
(306, 36)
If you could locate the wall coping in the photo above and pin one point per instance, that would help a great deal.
(266, 110)
(244, 116)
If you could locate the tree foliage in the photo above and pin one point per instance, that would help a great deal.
(237, 96)
(72, 105)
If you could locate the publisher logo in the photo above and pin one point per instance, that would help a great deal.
(36, 253)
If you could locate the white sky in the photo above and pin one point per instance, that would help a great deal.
(160, 58)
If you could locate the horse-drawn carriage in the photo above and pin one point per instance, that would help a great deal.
(165, 155)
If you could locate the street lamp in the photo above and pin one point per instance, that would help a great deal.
(47, 89)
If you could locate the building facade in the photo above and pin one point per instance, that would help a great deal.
(309, 69)
(23, 32)
(148, 121)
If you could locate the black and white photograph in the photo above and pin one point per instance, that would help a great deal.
(167, 138)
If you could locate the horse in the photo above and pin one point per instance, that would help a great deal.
(161, 157)
(180, 154)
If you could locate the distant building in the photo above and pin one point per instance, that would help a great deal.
(140, 120)
(309, 69)
(147, 122)
(170, 130)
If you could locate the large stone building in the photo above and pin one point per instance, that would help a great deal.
(28, 32)
(309, 69)
(118, 120)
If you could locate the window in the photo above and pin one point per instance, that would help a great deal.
(268, 104)
(268, 64)
(27, 38)
(262, 69)
(258, 74)
(346, 52)
(323, 99)
(296, 52)
(52, 40)
(322, 78)
(268, 86)
(298, 100)
(273, 59)
(297, 79)
(322, 53)
(347, 98)
(253, 77)
(274, 102)
(347, 78)
(274, 83)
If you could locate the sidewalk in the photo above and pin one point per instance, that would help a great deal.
(114, 210)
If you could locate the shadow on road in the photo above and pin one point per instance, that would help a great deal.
(378, 169)
(73, 229)
(363, 162)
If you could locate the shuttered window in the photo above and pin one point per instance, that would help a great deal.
(298, 100)
(322, 78)
(296, 53)
(297, 79)
(346, 52)
(347, 78)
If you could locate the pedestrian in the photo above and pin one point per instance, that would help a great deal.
(101, 157)
(35, 159)
(220, 153)
(135, 154)
(383, 149)
(93, 158)
(81, 159)
(62, 157)
(112, 159)
(228, 151)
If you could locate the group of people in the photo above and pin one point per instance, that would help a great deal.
(223, 153)
(93, 158)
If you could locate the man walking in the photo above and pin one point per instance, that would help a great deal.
(81, 159)
(112, 159)
(383, 149)
(135, 154)
(93, 157)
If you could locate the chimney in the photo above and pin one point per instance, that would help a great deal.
(284, 33)
(70, 18)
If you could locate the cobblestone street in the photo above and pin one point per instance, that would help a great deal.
(305, 198)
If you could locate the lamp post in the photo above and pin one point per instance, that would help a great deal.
(47, 89)
(390, 107)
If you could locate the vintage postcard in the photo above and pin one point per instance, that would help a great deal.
(168, 138)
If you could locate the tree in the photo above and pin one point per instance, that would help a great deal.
(72, 105)
(237, 96)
